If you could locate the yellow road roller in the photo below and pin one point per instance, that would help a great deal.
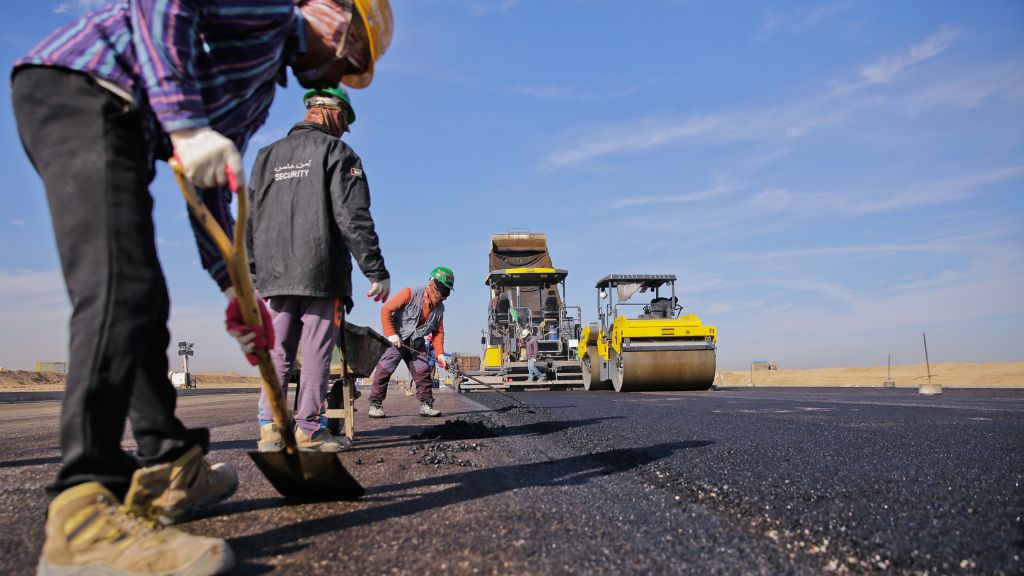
(642, 341)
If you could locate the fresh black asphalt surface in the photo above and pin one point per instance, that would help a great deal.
(864, 480)
(740, 481)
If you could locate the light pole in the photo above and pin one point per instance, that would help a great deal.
(185, 350)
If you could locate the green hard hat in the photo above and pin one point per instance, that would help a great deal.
(443, 276)
(339, 93)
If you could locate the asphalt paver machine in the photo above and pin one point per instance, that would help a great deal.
(527, 292)
(642, 341)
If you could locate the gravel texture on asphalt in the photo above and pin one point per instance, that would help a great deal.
(439, 454)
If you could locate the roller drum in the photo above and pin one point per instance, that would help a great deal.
(659, 371)
(591, 368)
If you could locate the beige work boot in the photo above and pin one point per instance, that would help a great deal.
(175, 491)
(270, 438)
(322, 441)
(89, 532)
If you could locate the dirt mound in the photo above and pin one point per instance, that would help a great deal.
(26, 381)
(226, 380)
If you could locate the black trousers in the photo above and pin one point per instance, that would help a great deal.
(88, 146)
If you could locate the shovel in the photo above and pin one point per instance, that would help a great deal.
(295, 474)
(454, 369)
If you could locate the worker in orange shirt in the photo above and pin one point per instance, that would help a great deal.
(407, 319)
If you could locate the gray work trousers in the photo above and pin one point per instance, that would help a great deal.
(307, 326)
(418, 369)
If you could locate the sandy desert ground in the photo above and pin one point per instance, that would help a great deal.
(951, 375)
(26, 381)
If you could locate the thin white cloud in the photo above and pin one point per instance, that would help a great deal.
(822, 12)
(18, 223)
(79, 7)
(963, 243)
(830, 290)
(767, 211)
(887, 68)
(971, 88)
(616, 140)
(710, 193)
(800, 19)
(716, 309)
(554, 92)
(887, 249)
(770, 200)
(938, 192)
(772, 211)
(167, 243)
(775, 123)
(268, 136)
(769, 156)
(779, 123)
(943, 278)
(480, 8)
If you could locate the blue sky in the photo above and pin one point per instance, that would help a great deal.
(828, 180)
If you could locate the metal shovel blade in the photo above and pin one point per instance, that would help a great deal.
(308, 475)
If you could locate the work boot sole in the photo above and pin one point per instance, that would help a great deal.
(216, 560)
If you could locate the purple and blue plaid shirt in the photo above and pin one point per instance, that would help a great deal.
(187, 64)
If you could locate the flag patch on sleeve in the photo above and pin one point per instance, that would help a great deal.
(357, 172)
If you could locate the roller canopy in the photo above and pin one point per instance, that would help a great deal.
(648, 280)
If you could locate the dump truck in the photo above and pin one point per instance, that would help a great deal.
(642, 341)
(527, 292)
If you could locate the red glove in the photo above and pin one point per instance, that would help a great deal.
(249, 337)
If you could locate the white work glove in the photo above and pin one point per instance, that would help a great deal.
(442, 361)
(203, 153)
(380, 290)
(395, 340)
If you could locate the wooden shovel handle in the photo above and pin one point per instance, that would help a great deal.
(236, 260)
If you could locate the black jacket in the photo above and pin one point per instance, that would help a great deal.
(309, 206)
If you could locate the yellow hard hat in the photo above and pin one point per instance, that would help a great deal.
(376, 16)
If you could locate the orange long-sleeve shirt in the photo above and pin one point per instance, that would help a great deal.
(401, 300)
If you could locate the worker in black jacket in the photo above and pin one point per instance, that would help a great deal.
(310, 214)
